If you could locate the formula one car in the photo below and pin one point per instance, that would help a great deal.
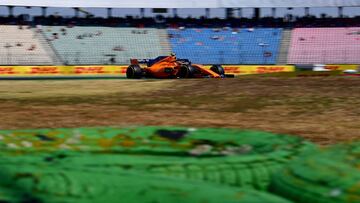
(171, 67)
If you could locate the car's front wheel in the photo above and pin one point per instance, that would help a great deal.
(218, 69)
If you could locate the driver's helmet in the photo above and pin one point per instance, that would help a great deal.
(173, 54)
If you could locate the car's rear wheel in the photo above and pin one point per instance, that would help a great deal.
(218, 69)
(186, 71)
(134, 72)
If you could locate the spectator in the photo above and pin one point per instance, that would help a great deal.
(215, 37)
(118, 48)
(112, 60)
(32, 47)
(39, 28)
(98, 33)
(7, 45)
(55, 36)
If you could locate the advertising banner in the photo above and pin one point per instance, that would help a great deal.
(342, 67)
(256, 69)
(120, 71)
(97, 70)
(29, 71)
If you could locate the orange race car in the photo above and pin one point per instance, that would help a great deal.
(171, 67)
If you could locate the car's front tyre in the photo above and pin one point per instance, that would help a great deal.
(218, 69)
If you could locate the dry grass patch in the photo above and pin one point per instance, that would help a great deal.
(324, 110)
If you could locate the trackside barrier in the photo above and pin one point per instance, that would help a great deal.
(223, 156)
(303, 74)
(38, 71)
(256, 69)
(323, 67)
(120, 71)
(116, 71)
(342, 67)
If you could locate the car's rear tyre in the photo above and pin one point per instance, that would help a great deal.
(186, 71)
(218, 69)
(134, 72)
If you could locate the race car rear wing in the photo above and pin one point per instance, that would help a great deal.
(150, 62)
(134, 62)
(137, 61)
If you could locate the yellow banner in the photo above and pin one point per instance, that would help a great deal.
(8, 71)
(24, 71)
(254, 69)
(342, 67)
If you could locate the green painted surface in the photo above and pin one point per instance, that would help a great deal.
(154, 140)
(142, 164)
(224, 156)
(50, 184)
(330, 175)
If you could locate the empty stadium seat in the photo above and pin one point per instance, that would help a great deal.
(325, 46)
(22, 47)
(97, 45)
(219, 46)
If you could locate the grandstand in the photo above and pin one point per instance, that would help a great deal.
(227, 46)
(108, 45)
(325, 45)
(23, 46)
(267, 40)
(97, 45)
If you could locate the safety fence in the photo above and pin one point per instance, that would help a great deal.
(38, 71)
(120, 71)
(116, 71)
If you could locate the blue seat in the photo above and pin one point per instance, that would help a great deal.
(207, 46)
